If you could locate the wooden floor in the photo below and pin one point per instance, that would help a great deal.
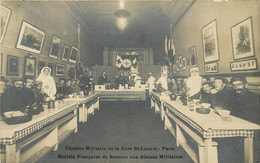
(129, 125)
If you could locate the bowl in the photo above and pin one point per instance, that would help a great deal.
(223, 113)
(205, 105)
(203, 110)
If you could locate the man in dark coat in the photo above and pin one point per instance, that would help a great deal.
(62, 90)
(204, 94)
(245, 104)
(221, 96)
(14, 99)
(103, 79)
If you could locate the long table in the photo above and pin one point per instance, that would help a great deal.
(122, 95)
(89, 103)
(30, 141)
(202, 129)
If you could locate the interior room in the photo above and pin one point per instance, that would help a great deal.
(130, 81)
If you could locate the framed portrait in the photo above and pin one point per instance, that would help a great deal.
(51, 66)
(59, 70)
(180, 61)
(55, 46)
(211, 67)
(41, 64)
(250, 64)
(66, 53)
(29, 66)
(71, 71)
(1, 63)
(73, 54)
(5, 17)
(193, 56)
(30, 38)
(242, 39)
(210, 42)
(184, 65)
(13, 65)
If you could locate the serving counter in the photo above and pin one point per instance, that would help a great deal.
(202, 128)
(30, 141)
(122, 95)
(89, 104)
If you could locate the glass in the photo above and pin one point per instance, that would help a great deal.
(191, 105)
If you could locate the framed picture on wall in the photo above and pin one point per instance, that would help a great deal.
(30, 38)
(242, 39)
(41, 64)
(51, 66)
(210, 42)
(73, 54)
(55, 46)
(211, 67)
(59, 70)
(66, 53)
(1, 63)
(29, 66)
(193, 56)
(250, 64)
(13, 65)
(5, 17)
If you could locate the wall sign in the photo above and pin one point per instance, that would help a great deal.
(250, 64)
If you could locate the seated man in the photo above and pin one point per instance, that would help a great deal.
(62, 90)
(28, 92)
(220, 95)
(75, 87)
(14, 99)
(103, 79)
(204, 94)
(245, 104)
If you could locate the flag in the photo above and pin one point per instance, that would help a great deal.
(118, 61)
(166, 45)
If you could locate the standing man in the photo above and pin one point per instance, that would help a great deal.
(162, 81)
(150, 82)
(220, 96)
(245, 104)
(103, 79)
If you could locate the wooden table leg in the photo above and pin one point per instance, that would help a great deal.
(248, 149)
(85, 111)
(162, 111)
(11, 154)
(210, 153)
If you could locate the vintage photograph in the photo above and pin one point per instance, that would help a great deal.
(192, 56)
(66, 53)
(73, 54)
(242, 39)
(41, 64)
(250, 64)
(59, 70)
(5, 16)
(130, 81)
(52, 67)
(210, 42)
(30, 38)
(211, 67)
(13, 65)
(29, 66)
(55, 46)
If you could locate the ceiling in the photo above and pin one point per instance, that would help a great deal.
(147, 25)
